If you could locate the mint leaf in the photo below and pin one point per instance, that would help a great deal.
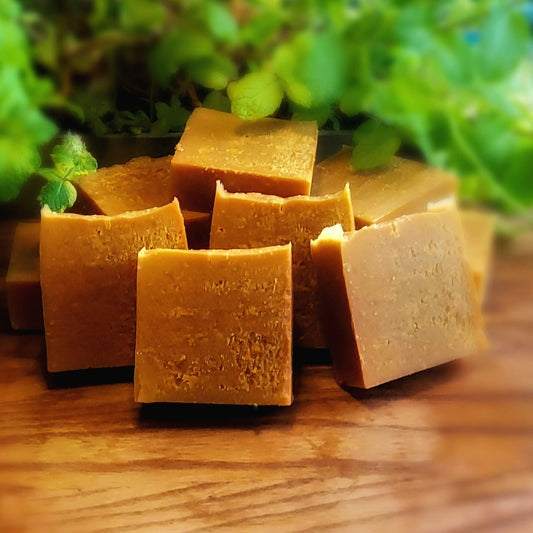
(138, 16)
(375, 144)
(256, 95)
(217, 100)
(220, 22)
(169, 117)
(58, 195)
(505, 39)
(71, 158)
(212, 72)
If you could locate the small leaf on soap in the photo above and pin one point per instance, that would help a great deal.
(58, 195)
(256, 95)
(375, 144)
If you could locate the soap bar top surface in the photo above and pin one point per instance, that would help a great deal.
(141, 183)
(411, 296)
(268, 155)
(251, 220)
(214, 326)
(402, 188)
(88, 278)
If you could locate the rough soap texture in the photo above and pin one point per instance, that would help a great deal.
(411, 298)
(404, 187)
(214, 326)
(23, 285)
(141, 183)
(478, 230)
(270, 156)
(88, 277)
(252, 220)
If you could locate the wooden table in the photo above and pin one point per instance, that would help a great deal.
(447, 450)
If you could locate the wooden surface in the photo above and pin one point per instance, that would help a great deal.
(447, 450)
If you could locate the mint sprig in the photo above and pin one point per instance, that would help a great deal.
(375, 143)
(71, 159)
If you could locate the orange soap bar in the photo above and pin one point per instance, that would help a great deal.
(478, 230)
(269, 156)
(214, 326)
(23, 285)
(398, 297)
(250, 220)
(402, 188)
(141, 183)
(88, 279)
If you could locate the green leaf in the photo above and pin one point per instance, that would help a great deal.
(319, 114)
(256, 95)
(71, 158)
(220, 22)
(505, 39)
(58, 195)
(212, 72)
(175, 49)
(18, 160)
(217, 100)
(139, 16)
(260, 28)
(375, 144)
(169, 117)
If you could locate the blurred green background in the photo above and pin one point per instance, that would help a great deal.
(453, 79)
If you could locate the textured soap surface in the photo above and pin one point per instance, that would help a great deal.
(214, 326)
(403, 187)
(141, 183)
(88, 278)
(269, 156)
(23, 287)
(478, 230)
(250, 220)
(404, 301)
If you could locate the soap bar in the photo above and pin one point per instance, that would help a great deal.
(141, 183)
(214, 326)
(250, 220)
(398, 297)
(88, 280)
(23, 285)
(478, 230)
(269, 156)
(403, 187)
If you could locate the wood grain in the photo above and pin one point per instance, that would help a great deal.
(447, 450)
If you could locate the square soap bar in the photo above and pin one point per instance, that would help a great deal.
(141, 183)
(23, 286)
(214, 326)
(88, 278)
(478, 230)
(402, 188)
(398, 297)
(251, 220)
(270, 156)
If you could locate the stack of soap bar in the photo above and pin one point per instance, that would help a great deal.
(141, 183)
(22, 280)
(88, 279)
(478, 230)
(402, 188)
(214, 326)
(269, 156)
(398, 297)
(250, 220)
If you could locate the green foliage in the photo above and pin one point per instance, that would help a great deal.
(256, 95)
(23, 127)
(375, 144)
(71, 160)
(452, 79)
